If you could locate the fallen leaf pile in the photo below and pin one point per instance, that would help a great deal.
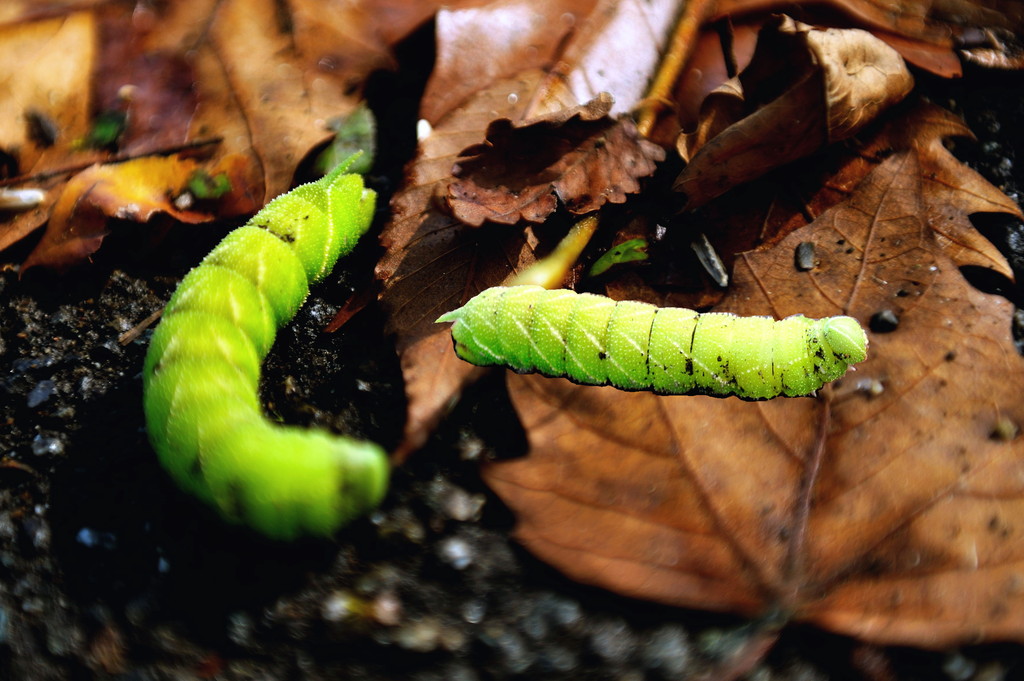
(236, 85)
(886, 509)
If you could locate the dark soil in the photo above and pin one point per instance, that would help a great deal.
(107, 571)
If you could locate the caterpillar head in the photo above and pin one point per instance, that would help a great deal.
(474, 332)
(846, 338)
(836, 343)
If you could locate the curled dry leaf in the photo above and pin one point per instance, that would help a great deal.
(889, 511)
(134, 190)
(845, 78)
(925, 33)
(579, 155)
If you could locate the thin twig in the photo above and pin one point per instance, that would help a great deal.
(136, 331)
(67, 170)
(684, 40)
(798, 537)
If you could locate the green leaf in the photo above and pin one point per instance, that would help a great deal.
(627, 251)
(355, 132)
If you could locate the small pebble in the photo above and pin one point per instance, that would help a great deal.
(565, 612)
(535, 625)
(470, 447)
(240, 628)
(40, 393)
(613, 642)
(667, 650)
(518, 657)
(23, 364)
(387, 609)
(473, 611)
(47, 445)
(421, 636)
(38, 531)
(958, 667)
(460, 505)
(338, 606)
(456, 552)
(94, 539)
(804, 257)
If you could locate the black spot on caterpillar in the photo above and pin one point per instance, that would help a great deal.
(202, 371)
(595, 340)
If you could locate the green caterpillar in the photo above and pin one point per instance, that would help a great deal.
(201, 374)
(595, 340)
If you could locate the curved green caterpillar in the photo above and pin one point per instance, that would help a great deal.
(202, 370)
(595, 340)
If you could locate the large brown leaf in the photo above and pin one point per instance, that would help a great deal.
(268, 82)
(605, 46)
(888, 510)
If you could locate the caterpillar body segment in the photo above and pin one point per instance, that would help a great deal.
(201, 373)
(594, 340)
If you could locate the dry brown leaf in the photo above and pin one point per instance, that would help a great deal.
(842, 80)
(154, 89)
(262, 85)
(952, 191)
(134, 190)
(605, 46)
(925, 33)
(907, 533)
(579, 155)
(15, 11)
(269, 81)
(46, 64)
(433, 263)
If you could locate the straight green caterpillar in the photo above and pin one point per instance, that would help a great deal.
(594, 340)
(202, 371)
